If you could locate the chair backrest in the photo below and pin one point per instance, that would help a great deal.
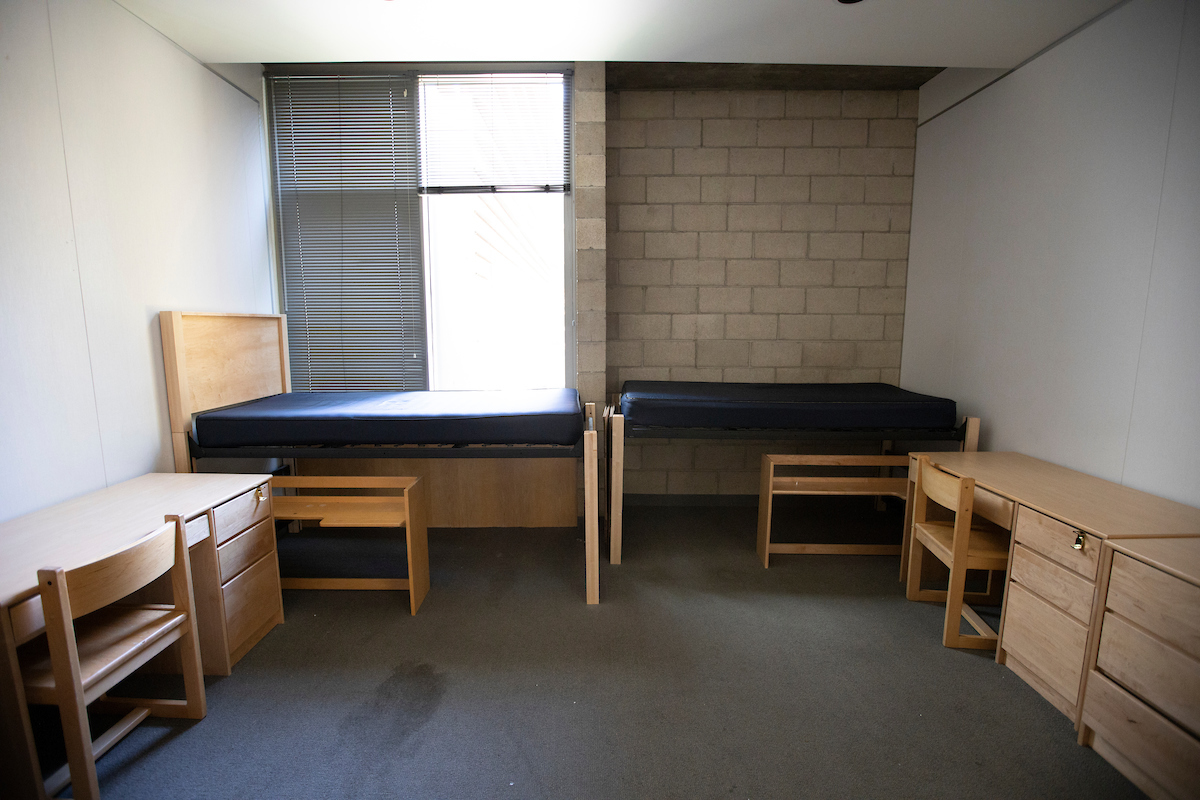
(103, 582)
(948, 491)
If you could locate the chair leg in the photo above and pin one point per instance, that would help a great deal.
(193, 673)
(954, 604)
(80, 756)
(916, 554)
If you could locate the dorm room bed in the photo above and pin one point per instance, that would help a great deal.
(778, 411)
(229, 395)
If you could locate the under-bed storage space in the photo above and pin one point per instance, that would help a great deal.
(1141, 707)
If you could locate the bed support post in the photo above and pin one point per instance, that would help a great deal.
(971, 439)
(591, 507)
(616, 484)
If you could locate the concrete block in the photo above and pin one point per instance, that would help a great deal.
(612, 326)
(647, 105)
(590, 326)
(644, 272)
(802, 375)
(590, 202)
(589, 76)
(734, 483)
(722, 353)
(777, 300)
(720, 456)
(671, 245)
(828, 354)
(854, 375)
(878, 354)
(671, 300)
(860, 273)
(880, 189)
(591, 388)
(804, 327)
(673, 133)
(590, 170)
(881, 301)
(698, 326)
(673, 190)
(590, 138)
(759, 216)
(727, 189)
(890, 376)
(869, 104)
(903, 160)
(589, 296)
(837, 190)
(674, 455)
(726, 245)
(701, 161)
(624, 354)
(759, 105)
(756, 161)
(699, 217)
(590, 357)
(885, 245)
(840, 133)
(612, 158)
(776, 354)
(893, 133)
(806, 272)
(864, 218)
(589, 107)
(645, 161)
(835, 245)
(645, 217)
(691, 482)
(901, 218)
(625, 245)
(627, 189)
(644, 374)
(645, 482)
(645, 326)
(669, 353)
(751, 326)
(724, 300)
(785, 133)
(826, 300)
(752, 272)
(591, 234)
(897, 273)
(865, 161)
(809, 217)
(626, 133)
(748, 375)
(810, 161)
(775, 189)
(813, 105)
(730, 132)
(590, 265)
(781, 245)
(701, 105)
(857, 327)
(893, 327)
(695, 374)
(698, 272)
(907, 103)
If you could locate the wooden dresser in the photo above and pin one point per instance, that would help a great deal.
(1141, 702)
(235, 578)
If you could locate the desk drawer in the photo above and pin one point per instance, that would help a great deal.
(992, 506)
(196, 529)
(1046, 639)
(251, 599)
(234, 516)
(1055, 540)
(1059, 585)
(244, 549)
(1122, 723)
(1158, 673)
(1160, 603)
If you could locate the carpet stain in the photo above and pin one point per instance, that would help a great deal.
(396, 710)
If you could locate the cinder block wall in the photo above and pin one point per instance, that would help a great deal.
(753, 236)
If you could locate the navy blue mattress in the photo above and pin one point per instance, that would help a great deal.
(300, 419)
(783, 406)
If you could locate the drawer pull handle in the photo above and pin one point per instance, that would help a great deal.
(260, 495)
(1078, 540)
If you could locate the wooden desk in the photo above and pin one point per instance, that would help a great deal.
(232, 614)
(1063, 519)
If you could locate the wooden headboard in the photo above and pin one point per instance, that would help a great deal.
(215, 360)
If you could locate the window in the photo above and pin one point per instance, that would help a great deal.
(422, 229)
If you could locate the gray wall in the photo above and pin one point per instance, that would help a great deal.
(131, 181)
(1054, 270)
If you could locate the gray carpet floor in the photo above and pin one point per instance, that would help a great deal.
(700, 675)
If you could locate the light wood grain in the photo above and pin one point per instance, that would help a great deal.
(244, 549)
(1158, 601)
(250, 598)
(234, 516)
(1046, 639)
(1065, 589)
(1059, 542)
(591, 524)
(616, 485)
(1161, 675)
(1178, 556)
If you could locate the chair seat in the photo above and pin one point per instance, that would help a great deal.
(988, 548)
(107, 640)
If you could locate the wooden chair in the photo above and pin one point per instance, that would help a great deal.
(94, 642)
(972, 541)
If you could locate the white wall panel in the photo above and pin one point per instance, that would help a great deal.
(49, 439)
(1164, 435)
(1034, 215)
(165, 160)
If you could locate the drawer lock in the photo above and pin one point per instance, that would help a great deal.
(260, 495)
(1078, 540)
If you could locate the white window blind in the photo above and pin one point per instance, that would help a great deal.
(345, 161)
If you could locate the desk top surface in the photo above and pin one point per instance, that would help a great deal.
(1102, 507)
(1179, 556)
(85, 528)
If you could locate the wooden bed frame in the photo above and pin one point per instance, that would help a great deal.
(214, 360)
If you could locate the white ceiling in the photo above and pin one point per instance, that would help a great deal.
(943, 33)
